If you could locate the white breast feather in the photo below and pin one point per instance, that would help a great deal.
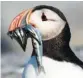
(54, 69)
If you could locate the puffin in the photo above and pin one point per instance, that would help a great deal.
(58, 60)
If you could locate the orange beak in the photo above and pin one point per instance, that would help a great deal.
(16, 23)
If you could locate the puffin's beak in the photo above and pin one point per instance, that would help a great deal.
(21, 33)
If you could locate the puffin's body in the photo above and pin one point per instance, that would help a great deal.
(58, 59)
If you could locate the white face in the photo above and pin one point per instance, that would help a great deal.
(49, 28)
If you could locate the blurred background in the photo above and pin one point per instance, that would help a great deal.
(12, 56)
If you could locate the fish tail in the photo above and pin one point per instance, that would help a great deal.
(41, 69)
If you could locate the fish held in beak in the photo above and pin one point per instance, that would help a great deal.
(22, 34)
(20, 30)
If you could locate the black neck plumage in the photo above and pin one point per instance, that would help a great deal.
(59, 49)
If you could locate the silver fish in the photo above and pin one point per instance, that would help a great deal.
(37, 45)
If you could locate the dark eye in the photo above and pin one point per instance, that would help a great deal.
(44, 18)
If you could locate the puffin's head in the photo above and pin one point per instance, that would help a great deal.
(49, 20)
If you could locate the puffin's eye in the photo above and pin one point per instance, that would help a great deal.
(44, 18)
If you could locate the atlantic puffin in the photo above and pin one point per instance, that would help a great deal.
(58, 60)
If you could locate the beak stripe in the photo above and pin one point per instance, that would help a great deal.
(28, 16)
